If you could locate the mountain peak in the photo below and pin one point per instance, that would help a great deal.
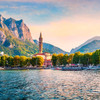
(95, 38)
(16, 27)
(21, 20)
(10, 20)
(1, 18)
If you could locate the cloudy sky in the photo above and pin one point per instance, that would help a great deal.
(64, 23)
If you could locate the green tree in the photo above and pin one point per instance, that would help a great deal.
(0, 61)
(23, 61)
(3, 60)
(82, 58)
(16, 61)
(96, 57)
(33, 61)
(70, 58)
(65, 59)
(28, 61)
(76, 58)
(54, 59)
(10, 61)
(60, 59)
(86, 59)
(39, 61)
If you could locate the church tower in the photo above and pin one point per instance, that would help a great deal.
(40, 43)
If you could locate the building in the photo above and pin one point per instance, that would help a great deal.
(46, 56)
(40, 43)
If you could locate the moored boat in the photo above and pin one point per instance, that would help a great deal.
(93, 68)
(1, 68)
(72, 68)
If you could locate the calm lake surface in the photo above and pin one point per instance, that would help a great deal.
(49, 84)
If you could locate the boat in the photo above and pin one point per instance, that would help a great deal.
(57, 68)
(1, 68)
(93, 68)
(71, 68)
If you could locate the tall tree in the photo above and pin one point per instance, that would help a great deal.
(33, 61)
(23, 61)
(3, 60)
(60, 59)
(54, 59)
(65, 59)
(28, 61)
(76, 58)
(70, 59)
(10, 61)
(96, 57)
(16, 61)
(39, 61)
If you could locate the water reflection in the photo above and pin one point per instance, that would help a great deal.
(49, 84)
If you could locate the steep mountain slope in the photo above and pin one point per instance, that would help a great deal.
(18, 28)
(89, 46)
(51, 47)
(12, 46)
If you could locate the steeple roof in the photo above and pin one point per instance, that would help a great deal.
(40, 35)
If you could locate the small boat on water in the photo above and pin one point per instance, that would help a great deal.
(57, 68)
(72, 68)
(93, 68)
(1, 68)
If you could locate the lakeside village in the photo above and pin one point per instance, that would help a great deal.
(77, 61)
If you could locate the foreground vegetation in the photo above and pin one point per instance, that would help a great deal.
(57, 59)
(77, 58)
(20, 61)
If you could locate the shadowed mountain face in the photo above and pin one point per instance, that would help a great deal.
(89, 46)
(51, 47)
(12, 46)
(18, 28)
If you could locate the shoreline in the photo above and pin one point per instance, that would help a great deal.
(18, 68)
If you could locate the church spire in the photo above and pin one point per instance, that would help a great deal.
(40, 35)
(40, 43)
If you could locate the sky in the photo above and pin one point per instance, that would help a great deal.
(63, 23)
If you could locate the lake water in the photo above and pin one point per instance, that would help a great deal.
(49, 84)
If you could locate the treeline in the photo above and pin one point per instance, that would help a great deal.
(77, 58)
(20, 61)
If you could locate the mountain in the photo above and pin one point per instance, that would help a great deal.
(15, 38)
(51, 47)
(18, 28)
(89, 46)
(12, 46)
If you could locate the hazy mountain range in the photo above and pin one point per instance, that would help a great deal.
(89, 46)
(51, 47)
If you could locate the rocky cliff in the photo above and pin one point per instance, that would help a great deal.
(18, 28)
